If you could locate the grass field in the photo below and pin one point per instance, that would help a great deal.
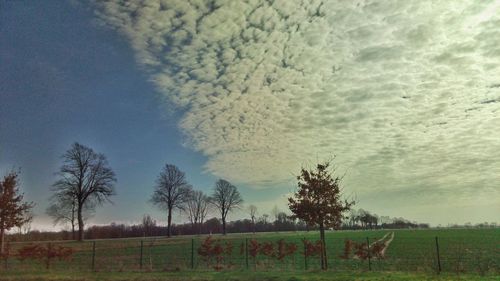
(472, 251)
(241, 276)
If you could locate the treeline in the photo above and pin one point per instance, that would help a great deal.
(362, 219)
(149, 227)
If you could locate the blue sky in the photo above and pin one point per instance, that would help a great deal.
(405, 94)
(65, 79)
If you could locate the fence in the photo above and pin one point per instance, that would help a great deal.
(258, 253)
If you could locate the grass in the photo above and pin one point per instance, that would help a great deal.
(238, 276)
(461, 250)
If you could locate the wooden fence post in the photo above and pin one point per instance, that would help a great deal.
(49, 247)
(140, 261)
(246, 252)
(93, 256)
(369, 254)
(192, 253)
(305, 254)
(438, 257)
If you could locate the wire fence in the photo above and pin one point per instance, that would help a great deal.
(215, 253)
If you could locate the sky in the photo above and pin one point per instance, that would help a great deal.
(404, 94)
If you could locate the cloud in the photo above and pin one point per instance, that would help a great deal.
(403, 92)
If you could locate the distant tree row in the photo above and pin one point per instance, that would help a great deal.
(362, 219)
(86, 181)
(172, 192)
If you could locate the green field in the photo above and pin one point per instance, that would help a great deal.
(471, 251)
(242, 276)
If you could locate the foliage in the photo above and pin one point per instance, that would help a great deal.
(268, 249)
(14, 212)
(312, 249)
(318, 201)
(45, 254)
(211, 250)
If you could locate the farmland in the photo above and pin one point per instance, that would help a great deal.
(470, 251)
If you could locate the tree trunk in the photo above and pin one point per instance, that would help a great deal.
(80, 223)
(223, 226)
(2, 241)
(169, 222)
(324, 262)
(73, 236)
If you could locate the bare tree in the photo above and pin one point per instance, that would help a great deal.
(14, 212)
(252, 209)
(28, 217)
(275, 211)
(63, 210)
(225, 198)
(85, 179)
(148, 224)
(197, 209)
(172, 191)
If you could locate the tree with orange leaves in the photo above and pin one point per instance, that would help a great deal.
(13, 211)
(318, 201)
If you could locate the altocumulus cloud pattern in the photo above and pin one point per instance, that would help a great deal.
(405, 93)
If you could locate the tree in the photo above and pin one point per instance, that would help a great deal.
(172, 191)
(225, 198)
(252, 209)
(63, 210)
(274, 212)
(148, 225)
(197, 209)
(86, 180)
(14, 212)
(318, 201)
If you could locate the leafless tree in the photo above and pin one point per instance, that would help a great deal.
(148, 224)
(86, 180)
(252, 209)
(225, 198)
(275, 211)
(63, 210)
(172, 191)
(197, 209)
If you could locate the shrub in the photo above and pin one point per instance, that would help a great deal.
(211, 250)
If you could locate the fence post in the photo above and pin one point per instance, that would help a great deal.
(93, 256)
(6, 257)
(246, 252)
(369, 254)
(305, 254)
(49, 247)
(192, 253)
(438, 257)
(140, 261)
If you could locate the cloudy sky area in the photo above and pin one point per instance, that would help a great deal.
(405, 94)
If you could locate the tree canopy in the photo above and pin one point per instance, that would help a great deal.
(225, 198)
(14, 212)
(85, 178)
(172, 191)
(318, 201)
